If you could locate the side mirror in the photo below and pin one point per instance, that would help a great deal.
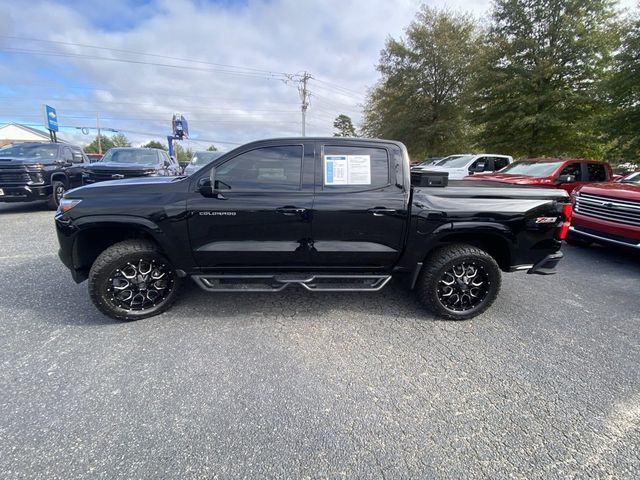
(205, 187)
(477, 168)
(167, 164)
(566, 179)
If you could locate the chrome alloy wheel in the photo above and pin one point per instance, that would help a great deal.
(463, 286)
(140, 286)
(58, 193)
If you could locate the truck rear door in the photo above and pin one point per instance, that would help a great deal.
(360, 206)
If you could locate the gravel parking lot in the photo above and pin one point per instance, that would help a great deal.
(324, 385)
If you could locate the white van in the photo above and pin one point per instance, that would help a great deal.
(459, 166)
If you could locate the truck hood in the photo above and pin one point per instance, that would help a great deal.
(25, 161)
(112, 166)
(505, 178)
(133, 185)
(454, 173)
(626, 191)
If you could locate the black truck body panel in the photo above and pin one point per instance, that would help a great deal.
(310, 227)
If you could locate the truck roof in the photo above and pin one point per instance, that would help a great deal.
(328, 139)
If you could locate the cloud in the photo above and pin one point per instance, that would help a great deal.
(337, 41)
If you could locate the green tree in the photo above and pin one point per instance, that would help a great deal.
(120, 140)
(154, 144)
(212, 148)
(106, 143)
(623, 86)
(181, 153)
(537, 87)
(344, 126)
(421, 98)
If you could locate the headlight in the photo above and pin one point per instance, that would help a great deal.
(67, 204)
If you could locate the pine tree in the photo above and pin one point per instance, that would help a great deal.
(537, 87)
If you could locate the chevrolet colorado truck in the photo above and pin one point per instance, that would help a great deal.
(324, 214)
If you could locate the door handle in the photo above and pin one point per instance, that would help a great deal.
(290, 210)
(380, 211)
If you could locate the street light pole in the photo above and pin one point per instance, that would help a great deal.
(98, 127)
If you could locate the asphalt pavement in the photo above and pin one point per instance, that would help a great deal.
(296, 384)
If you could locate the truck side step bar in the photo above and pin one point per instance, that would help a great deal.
(277, 282)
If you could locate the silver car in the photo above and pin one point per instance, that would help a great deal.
(199, 160)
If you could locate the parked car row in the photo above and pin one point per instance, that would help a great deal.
(459, 166)
(607, 207)
(44, 171)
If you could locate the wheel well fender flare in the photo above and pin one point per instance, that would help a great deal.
(496, 239)
(60, 176)
(111, 229)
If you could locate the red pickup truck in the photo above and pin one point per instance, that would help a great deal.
(567, 174)
(607, 213)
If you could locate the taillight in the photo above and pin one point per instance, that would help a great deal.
(563, 229)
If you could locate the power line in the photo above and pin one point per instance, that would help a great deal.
(338, 87)
(161, 135)
(144, 54)
(49, 53)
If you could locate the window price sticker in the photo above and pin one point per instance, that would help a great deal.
(347, 170)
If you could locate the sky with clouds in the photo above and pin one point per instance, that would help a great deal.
(229, 66)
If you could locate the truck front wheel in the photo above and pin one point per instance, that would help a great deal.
(132, 280)
(459, 282)
(58, 189)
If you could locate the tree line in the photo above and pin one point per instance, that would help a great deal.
(543, 78)
(120, 140)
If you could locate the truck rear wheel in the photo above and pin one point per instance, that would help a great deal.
(132, 280)
(459, 282)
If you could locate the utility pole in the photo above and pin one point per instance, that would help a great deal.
(304, 99)
(98, 127)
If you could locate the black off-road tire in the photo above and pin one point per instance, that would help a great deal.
(124, 255)
(430, 289)
(57, 190)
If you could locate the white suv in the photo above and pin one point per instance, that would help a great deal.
(459, 166)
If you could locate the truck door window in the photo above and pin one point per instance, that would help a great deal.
(77, 156)
(499, 163)
(572, 169)
(375, 160)
(480, 165)
(267, 168)
(596, 172)
(67, 155)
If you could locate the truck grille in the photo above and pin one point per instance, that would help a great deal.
(97, 176)
(608, 208)
(16, 175)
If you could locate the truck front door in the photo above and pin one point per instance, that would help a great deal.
(262, 215)
(360, 206)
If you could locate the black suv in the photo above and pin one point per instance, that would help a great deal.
(128, 162)
(39, 171)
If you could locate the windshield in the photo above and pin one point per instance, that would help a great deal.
(455, 161)
(633, 178)
(531, 169)
(133, 155)
(202, 158)
(43, 151)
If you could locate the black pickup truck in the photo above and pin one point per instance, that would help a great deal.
(325, 214)
(39, 171)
